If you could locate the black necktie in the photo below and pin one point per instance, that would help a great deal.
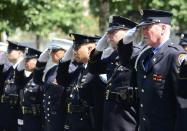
(148, 59)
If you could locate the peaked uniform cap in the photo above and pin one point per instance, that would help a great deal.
(79, 39)
(12, 45)
(119, 22)
(57, 43)
(32, 53)
(152, 16)
(183, 40)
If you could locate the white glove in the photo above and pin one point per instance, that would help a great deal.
(44, 56)
(102, 43)
(130, 35)
(3, 58)
(68, 55)
(21, 65)
(107, 52)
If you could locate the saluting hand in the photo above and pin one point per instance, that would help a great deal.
(68, 55)
(102, 43)
(130, 35)
(44, 56)
(3, 58)
(21, 65)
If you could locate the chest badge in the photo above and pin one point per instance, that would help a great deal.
(154, 60)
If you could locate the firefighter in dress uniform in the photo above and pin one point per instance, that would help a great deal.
(157, 66)
(79, 113)
(30, 93)
(52, 92)
(9, 105)
(120, 106)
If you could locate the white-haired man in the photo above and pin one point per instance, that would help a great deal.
(157, 67)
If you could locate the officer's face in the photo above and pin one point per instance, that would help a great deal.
(115, 36)
(56, 55)
(30, 64)
(152, 34)
(14, 55)
(83, 52)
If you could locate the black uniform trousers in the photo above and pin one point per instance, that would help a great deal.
(32, 123)
(9, 115)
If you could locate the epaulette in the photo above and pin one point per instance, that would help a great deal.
(175, 46)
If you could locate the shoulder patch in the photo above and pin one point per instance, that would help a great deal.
(181, 58)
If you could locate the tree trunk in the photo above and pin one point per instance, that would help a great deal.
(4, 36)
(103, 15)
(38, 39)
(136, 4)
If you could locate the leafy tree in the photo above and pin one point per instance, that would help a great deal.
(12, 15)
(131, 9)
(42, 16)
(51, 15)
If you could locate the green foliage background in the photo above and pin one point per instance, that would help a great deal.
(44, 16)
(130, 9)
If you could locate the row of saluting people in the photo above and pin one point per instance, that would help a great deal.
(114, 85)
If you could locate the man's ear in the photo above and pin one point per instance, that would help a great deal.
(21, 53)
(89, 48)
(163, 28)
